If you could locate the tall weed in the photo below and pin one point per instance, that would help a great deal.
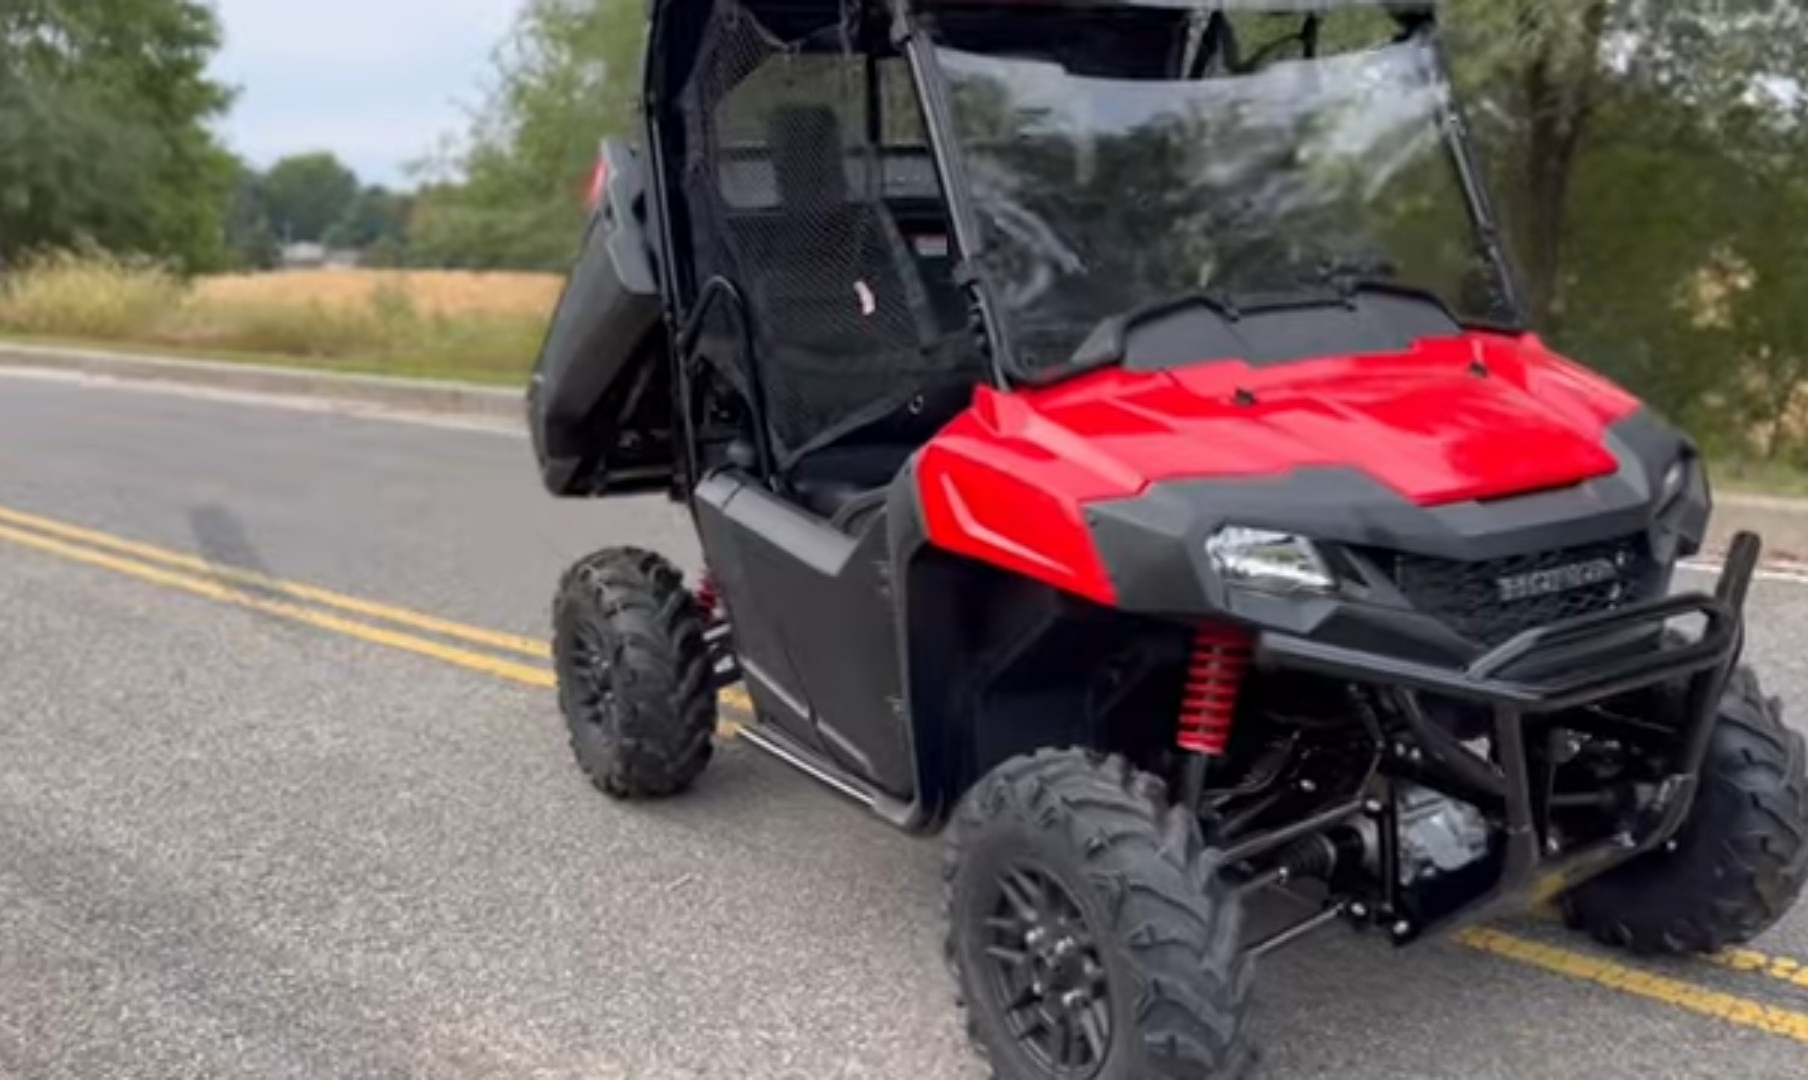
(426, 323)
(88, 296)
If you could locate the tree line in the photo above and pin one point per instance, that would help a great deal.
(1650, 158)
(314, 199)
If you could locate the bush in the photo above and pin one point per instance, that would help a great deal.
(87, 296)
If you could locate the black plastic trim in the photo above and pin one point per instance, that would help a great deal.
(909, 537)
(1268, 332)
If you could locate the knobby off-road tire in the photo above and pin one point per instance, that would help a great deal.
(634, 674)
(1740, 860)
(1140, 913)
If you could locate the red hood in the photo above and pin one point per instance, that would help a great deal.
(1449, 420)
(1428, 423)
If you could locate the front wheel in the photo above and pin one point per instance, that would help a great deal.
(1090, 932)
(1738, 863)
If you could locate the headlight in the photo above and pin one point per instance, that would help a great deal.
(1267, 560)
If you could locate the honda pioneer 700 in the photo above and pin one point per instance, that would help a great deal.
(1113, 434)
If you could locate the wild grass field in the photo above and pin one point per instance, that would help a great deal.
(451, 324)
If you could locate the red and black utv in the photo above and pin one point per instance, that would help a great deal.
(1114, 435)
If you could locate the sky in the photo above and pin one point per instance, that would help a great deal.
(377, 82)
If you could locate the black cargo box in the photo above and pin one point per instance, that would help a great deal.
(598, 405)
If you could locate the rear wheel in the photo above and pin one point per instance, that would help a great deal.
(634, 674)
(1089, 930)
(1740, 860)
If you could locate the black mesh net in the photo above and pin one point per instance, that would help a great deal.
(785, 193)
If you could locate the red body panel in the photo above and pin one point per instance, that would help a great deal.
(1008, 481)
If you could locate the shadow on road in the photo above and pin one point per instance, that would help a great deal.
(221, 539)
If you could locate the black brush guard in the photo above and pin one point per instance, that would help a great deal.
(1526, 871)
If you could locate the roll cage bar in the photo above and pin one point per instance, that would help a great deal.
(677, 26)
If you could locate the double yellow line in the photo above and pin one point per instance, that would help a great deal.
(315, 607)
(526, 661)
(1676, 993)
(505, 656)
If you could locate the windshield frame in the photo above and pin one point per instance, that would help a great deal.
(1417, 18)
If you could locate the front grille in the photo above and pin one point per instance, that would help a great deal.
(1492, 601)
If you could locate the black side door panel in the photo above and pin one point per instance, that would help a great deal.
(744, 565)
(814, 626)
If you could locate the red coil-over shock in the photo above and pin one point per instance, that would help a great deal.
(708, 598)
(1215, 672)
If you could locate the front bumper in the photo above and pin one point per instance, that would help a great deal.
(1553, 669)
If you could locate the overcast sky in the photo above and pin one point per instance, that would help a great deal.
(375, 81)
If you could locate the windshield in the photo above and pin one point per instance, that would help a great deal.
(1103, 187)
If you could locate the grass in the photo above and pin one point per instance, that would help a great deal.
(1760, 478)
(417, 368)
(479, 327)
(90, 298)
(441, 292)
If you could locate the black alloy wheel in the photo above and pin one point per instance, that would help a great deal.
(1090, 931)
(1047, 975)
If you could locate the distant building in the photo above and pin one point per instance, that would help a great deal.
(311, 256)
(301, 256)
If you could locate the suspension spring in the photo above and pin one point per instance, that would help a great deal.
(708, 598)
(1215, 671)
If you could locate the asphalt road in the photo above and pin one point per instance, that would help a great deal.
(237, 844)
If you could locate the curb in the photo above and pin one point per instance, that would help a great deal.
(418, 395)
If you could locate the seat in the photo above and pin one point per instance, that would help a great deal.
(839, 315)
(856, 371)
(840, 241)
(836, 479)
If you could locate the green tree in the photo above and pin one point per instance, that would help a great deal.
(104, 113)
(389, 251)
(250, 238)
(513, 197)
(1539, 74)
(308, 194)
(375, 215)
(1651, 156)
